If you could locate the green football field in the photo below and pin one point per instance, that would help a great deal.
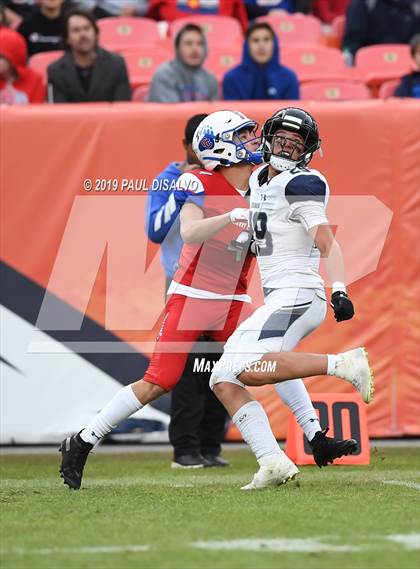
(134, 511)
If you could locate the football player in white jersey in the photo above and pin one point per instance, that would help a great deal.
(291, 233)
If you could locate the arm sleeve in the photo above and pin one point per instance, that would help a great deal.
(122, 91)
(306, 195)
(292, 90)
(163, 89)
(39, 93)
(229, 91)
(189, 189)
(161, 212)
(214, 90)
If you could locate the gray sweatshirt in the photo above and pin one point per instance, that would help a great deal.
(176, 82)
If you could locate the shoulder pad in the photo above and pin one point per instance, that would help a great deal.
(305, 187)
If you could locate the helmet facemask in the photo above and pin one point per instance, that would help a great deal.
(242, 142)
(293, 153)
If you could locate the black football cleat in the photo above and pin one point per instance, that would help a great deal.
(326, 449)
(74, 453)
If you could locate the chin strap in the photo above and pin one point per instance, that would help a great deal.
(282, 164)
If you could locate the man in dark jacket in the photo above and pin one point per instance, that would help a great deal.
(260, 75)
(410, 84)
(86, 72)
(371, 22)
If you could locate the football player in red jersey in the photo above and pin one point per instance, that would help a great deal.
(208, 294)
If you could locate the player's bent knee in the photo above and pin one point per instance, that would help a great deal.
(251, 378)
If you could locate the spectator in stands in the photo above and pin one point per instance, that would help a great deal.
(42, 28)
(86, 72)
(19, 8)
(256, 8)
(184, 78)
(260, 76)
(107, 8)
(327, 10)
(18, 83)
(410, 84)
(170, 10)
(371, 22)
(197, 417)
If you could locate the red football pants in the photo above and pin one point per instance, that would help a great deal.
(186, 319)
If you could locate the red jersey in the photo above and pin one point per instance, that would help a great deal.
(220, 265)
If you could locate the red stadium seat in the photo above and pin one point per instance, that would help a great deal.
(334, 91)
(143, 62)
(337, 31)
(40, 61)
(221, 59)
(379, 63)
(118, 34)
(219, 30)
(295, 28)
(387, 89)
(314, 62)
(141, 94)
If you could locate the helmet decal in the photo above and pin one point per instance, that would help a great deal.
(207, 142)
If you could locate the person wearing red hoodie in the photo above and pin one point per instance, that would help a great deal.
(170, 10)
(18, 83)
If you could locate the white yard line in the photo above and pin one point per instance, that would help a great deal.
(406, 484)
(410, 541)
(308, 545)
(78, 550)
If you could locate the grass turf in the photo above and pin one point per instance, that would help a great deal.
(136, 500)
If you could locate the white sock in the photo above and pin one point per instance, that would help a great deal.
(122, 405)
(294, 394)
(252, 422)
(331, 358)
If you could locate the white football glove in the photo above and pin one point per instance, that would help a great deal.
(240, 217)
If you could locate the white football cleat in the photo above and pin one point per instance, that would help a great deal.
(353, 366)
(275, 471)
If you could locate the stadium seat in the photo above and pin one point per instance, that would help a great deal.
(387, 89)
(219, 30)
(118, 34)
(143, 62)
(335, 39)
(141, 94)
(40, 61)
(314, 62)
(379, 63)
(334, 91)
(295, 28)
(221, 59)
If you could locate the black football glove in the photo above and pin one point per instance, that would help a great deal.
(342, 306)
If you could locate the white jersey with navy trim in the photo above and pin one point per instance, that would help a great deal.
(283, 210)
